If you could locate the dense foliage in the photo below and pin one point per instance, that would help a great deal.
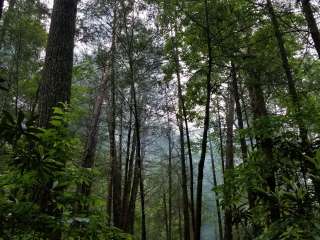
(159, 119)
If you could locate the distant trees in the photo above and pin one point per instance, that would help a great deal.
(152, 85)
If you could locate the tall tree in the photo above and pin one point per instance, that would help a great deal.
(215, 184)
(228, 235)
(205, 125)
(115, 166)
(92, 138)
(182, 142)
(55, 86)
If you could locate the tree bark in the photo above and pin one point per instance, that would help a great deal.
(312, 24)
(55, 87)
(57, 72)
(205, 130)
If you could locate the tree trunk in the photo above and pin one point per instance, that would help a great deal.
(115, 166)
(312, 24)
(215, 184)
(229, 165)
(182, 144)
(205, 130)
(184, 180)
(259, 110)
(56, 81)
(190, 166)
(165, 211)
(128, 185)
(57, 72)
(243, 143)
(169, 215)
(220, 137)
(290, 80)
(91, 141)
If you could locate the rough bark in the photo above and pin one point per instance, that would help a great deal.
(57, 72)
(205, 130)
(312, 24)
(56, 80)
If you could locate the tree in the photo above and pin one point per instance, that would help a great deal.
(55, 86)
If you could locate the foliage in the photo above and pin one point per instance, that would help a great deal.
(42, 161)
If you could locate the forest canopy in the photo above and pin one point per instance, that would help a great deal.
(159, 119)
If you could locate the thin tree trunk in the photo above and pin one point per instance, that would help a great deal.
(127, 177)
(128, 186)
(182, 147)
(142, 202)
(115, 165)
(166, 218)
(243, 143)
(312, 24)
(169, 177)
(247, 120)
(138, 178)
(184, 182)
(220, 137)
(190, 166)
(215, 184)
(228, 235)
(91, 141)
(205, 130)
